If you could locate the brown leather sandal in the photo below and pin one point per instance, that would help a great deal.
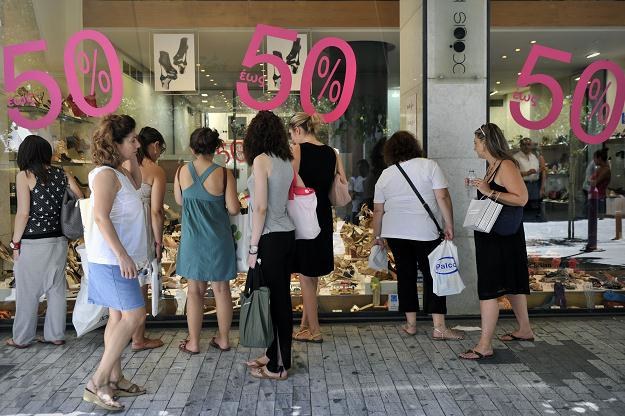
(306, 336)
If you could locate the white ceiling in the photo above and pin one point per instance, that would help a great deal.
(580, 42)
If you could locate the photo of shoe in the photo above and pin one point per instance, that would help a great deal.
(175, 54)
(293, 53)
(180, 58)
(276, 77)
(292, 59)
(166, 66)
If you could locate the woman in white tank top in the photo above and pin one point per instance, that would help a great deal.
(116, 249)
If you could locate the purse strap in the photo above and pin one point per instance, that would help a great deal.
(425, 205)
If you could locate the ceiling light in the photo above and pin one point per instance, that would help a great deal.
(197, 65)
(592, 55)
(214, 83)
(202, 70)
(204, 95)
(517, 50)
(577, 79)
(498, 82)
(493, 93)
(532, 41)
(211, 106)
(504, 56)
(207, 75)
(204, 101)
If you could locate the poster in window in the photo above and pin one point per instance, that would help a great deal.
(174, 62)
(293, 53)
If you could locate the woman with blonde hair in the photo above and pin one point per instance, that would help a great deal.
(316, 163)
(501, 255)
(116, 252)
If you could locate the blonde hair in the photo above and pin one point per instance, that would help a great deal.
(309, 123)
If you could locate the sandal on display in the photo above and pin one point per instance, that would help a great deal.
(101, 399)
(263, 373)
(447, 335)
(306, 336)
(148, 344)
(257, 362)
(409, 329)
(477, 356)
(511, 337)
(183, 347)
(215, 345)
(131, 390)
(12, 343)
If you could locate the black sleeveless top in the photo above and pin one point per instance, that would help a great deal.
(44, 219)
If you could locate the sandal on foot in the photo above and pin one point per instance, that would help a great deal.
(58, 342)
(447, 335)
(148, 344)
(510, 337)
(256, 363)
(299, 331)
(410, 329)
(478, 355)
(103, 400)
(214, 344)
(183, 347)
(306, 336)
(131, 391)
(263, 373)
(12, 343)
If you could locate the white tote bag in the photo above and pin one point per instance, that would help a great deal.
(87, 317)
(444, 269)
(241, 231)
(156, 286)
(302, 208)
(482, 214)
(378, 259)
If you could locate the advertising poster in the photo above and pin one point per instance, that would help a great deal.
(174, 62)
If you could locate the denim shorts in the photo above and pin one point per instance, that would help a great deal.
(107, 287)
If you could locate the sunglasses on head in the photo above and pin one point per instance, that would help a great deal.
(482, 130)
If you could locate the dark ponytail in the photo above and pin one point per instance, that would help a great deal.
(35, 156)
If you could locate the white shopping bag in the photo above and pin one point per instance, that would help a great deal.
(444, 269)
(156, 286)
(378, 259)
(241, 231)
(87, 317)
(482, 214)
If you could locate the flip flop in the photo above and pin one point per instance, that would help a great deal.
(405, 331)
(214, 344)
(57, 342)
(255, 363)
(183, 347)
(12, 343)
(262, 373)
(131, 391)
(150, 344)
(302, 337)
(479, 355)
(514, 338)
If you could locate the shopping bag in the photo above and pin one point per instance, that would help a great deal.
(86, 217)
(87, 317)
(241, 230)
(255, 326)
(378, 259)
(302, 209)
(482, 214)
(156, 286)
(444, 269)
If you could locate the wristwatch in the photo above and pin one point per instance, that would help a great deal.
(253, 250)
(14, 245)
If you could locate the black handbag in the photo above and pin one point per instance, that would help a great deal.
(71, 220)
(441, 233)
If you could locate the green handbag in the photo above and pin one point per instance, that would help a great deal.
(255, 327)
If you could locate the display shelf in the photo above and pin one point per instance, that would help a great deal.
(43, 111)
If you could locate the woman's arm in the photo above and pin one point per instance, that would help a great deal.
(511, 179)
(260, 169)
(73, 185)
(378, 213)
(23, 209)
(177, 189)
(341, 169)
(444, 203)
(232, 200)
(157, 213)
(105, 188)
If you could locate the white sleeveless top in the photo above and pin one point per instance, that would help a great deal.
(128, 220)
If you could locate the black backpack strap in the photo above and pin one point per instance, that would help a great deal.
(425, 205)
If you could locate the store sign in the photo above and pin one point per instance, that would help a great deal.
(107, 81)
(336, 92)
(596, 93)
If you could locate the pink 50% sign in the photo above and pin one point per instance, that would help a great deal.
(107, 81)
(602, 110)
(331, 86)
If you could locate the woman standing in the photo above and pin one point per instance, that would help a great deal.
(272, 242)
(207, 193)
(153, 185)
(37, 234)
(400, 218)
(501, 259)
(116, 251)
(316, 164)
(598, 182)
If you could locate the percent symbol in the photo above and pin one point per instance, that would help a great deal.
(603, 110)
(87, 66)
(323, 73)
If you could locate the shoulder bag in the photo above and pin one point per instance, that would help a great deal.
(255, 325)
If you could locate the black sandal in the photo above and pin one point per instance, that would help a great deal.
(514, 338)
(479, 355)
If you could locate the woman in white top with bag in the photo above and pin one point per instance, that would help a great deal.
(400, 219)
(116, 248)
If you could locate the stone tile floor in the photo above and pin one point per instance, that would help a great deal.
(576, 366)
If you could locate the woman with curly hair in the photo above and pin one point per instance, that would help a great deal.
(207, 193)
(400, 218)
(272, 242)
(116, 252)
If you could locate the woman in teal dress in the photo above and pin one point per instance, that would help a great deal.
(207, 193)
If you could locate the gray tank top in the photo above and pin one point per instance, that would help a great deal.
(277, 219)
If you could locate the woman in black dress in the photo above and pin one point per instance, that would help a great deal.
(316, 164)
(501, 259)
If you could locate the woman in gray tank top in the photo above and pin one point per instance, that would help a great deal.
(273, 237)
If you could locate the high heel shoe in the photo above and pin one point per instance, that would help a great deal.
(276, 77)
(180, 58)
(166, 65)
(292, 59)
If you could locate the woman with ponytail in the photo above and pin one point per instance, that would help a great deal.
(316, 164)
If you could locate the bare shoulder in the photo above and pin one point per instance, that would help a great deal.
(509, 166)
(106, 178)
